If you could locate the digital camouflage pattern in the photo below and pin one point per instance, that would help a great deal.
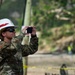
(11, 54)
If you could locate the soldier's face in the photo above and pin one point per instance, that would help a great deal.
(9, 33)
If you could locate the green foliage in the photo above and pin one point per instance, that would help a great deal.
(54, 19)
(54, 14)
(19, 24)
(10, 7)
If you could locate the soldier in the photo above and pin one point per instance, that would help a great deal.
(11, 49)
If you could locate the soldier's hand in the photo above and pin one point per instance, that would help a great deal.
(23, 29)
(33, 31)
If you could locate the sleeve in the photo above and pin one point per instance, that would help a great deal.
(31, 48)
(4, 52)
(8, 49)
(25, 49)
(16, 41)
(18, 38)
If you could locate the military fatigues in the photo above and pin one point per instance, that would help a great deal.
(11, 55)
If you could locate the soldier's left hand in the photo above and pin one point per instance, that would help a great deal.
(33, 31)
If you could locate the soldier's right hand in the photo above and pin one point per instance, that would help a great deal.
(24, 29)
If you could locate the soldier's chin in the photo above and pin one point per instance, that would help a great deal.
(10, 37)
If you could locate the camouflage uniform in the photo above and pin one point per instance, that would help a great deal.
(11, 54)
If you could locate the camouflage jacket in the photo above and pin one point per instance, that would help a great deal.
(11, 54)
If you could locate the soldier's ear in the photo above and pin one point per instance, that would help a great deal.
(3, 34)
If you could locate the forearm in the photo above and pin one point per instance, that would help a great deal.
(17, 39)
(31, 48)
(33, 45)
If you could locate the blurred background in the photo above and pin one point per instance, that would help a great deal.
(54, 21)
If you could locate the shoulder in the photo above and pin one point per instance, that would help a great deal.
(1, 44)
